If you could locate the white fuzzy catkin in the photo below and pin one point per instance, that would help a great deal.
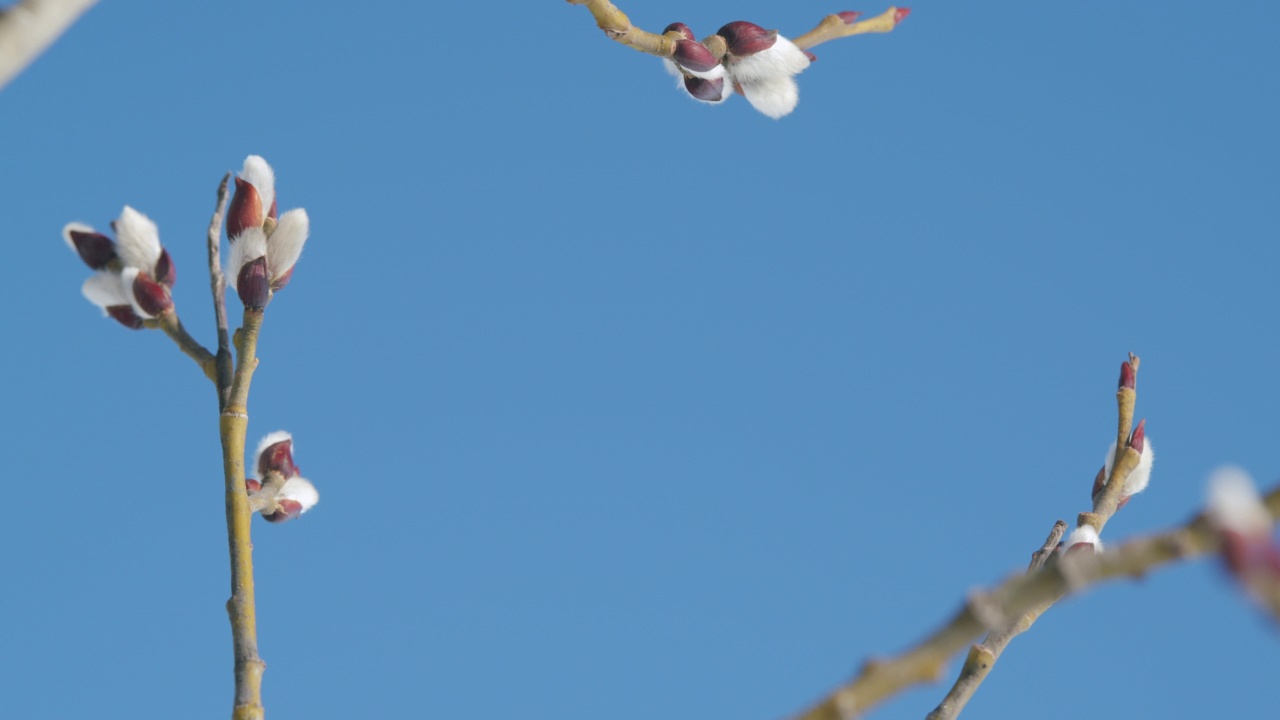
(137, 240)
(1234, 503)
(767, 78)
(1141, 475)
(259, 174)
(1084, 534)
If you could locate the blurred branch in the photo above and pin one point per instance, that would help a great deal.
(30, 26)
(986, 611)
(983, 656)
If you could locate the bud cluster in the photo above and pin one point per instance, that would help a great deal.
(133, 274)
(282, 493)
(758, 64)
(264, 247)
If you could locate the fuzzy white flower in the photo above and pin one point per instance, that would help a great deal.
(300, 490)
(1141, 475)
(763, 65)
(137, 240)
(1084, 534)
(1234, 503)
(259, 174)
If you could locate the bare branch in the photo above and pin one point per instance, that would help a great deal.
(879, 680)
(29, 27)
(834, 27)
(218, 287)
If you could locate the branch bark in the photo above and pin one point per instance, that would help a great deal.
(29, 27)
(880, 679)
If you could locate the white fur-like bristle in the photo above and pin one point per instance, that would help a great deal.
(259, 174)
(1234, 503)
(267, 441)
(775, 97)
(137, 240)
(300, 490)
(784, 59)
(246, 247)
(1141, 475)
(105, 290)
(1084, 534)
(78, 227)
(285, 244)
(127, 277)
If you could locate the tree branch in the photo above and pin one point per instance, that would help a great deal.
(172, 326)
(880, 679)
(834, 27)
(218, 288)
(29, 27)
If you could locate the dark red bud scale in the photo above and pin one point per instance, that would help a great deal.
(166, 271)
(1099, 481)
(694, 55)
(849, 16)
(278, 457)
(125, 315)
(1127, 378)
(811, 56)
(251, 485)
(283, 280)
(707, 90)
(252, 284)
(151, 296)
(245, 210)
(900, 14)
(679, 27)
(95, 249)
(1137, 440)
(744, 38)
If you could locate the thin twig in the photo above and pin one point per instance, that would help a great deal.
(218, 287)
(834, 27)
(879, 680)
(29, 27)
(618, 27)
(984, 655)
(172, 326)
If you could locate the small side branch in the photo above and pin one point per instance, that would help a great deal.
(833, 27)
(218, 288)
(879, 680)
(618, 27)
(172, 326)
(29, 27)
(983, 656)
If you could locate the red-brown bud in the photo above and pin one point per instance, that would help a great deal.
(153, 298)
(679, 27)
(95, 249)
(1137, 440)
(849, 16)
(900, 14)
(744, 38)
(705, 90)
(166, 271)
(251, 485)
(694, 55)
(1127, 377)
(277, 457)
(125, 315)
(253, 285)
(245, 210)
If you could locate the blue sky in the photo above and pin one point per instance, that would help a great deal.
(621, 405)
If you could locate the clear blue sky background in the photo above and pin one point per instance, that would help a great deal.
(621, 406)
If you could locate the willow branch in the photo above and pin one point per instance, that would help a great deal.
(983, 656)
(218, 288)
(617, 26)
(833, 27)
(880, 679)
(233, 425)
(168, 322)
(29, 27)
